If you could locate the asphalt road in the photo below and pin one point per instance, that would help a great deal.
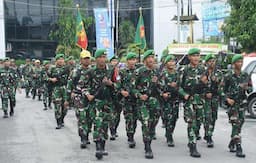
(30, 137)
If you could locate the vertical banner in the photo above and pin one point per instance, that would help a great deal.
(103, 31)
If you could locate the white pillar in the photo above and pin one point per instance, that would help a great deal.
(2, 30)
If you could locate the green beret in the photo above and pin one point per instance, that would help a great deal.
(193, 51)
(209, 57)
(7, 59)
(148, 53)
(168, 58)
(131, 55)
(114, 57)
(92, 59)
(236, 58)
(58, 56)
(46, 62)
(100, 52)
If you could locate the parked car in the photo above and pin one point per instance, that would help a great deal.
(250, 67)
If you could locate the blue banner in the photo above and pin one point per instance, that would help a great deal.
(213, 27)
(103, 31)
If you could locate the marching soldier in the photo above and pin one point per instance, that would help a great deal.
(128, 99)
(8, 77)
(27, 71)
(36, 80)
(146, 90)
(97, 87)
(58, 76)
(235, 88)
(213, 91)
(44, 80)
(117, 108)
(170, 96)
(192, 88)
(80, 103)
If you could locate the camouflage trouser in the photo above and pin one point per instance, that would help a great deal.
(236, 116)
(36, 88)
(58, 100)
(170, 116)
(210, 115)
(117, 109)
(131, 116)
(8, 95)
(84, 115)
(27, 84)
(45, 95)
(149, 113)
(102, 118)
(193, 114)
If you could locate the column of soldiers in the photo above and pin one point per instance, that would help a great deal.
(144, 92)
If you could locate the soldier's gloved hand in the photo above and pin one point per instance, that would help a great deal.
(144, 97)
(186, 97)
(90, 97)
(166, 95)
(173, 84)
(204, 79)
(66, 104)
(209, 95)
(125, 93)
(230, 101)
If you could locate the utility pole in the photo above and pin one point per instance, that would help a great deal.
(178, 19)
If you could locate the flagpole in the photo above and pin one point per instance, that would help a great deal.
(140, 10)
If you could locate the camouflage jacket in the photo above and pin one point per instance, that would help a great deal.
(91, 83)
(236, 86)
(166, 79)
(190, 80)
(143, 82)
(215, 83)
(61, 73)
(8, 78)
(27, 72)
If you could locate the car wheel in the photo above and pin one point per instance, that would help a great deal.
(252, 107)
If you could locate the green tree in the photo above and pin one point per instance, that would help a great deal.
(126, 32)
(241, 24)
(65, 30)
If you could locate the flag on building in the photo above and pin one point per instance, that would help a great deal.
(140, 37)
(81, 37)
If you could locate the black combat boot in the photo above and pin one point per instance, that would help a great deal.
(131, 141)
(170, 142)
(98, 152)
(210, 143)
(113, 134)
(58, 124)
(239, 151)
(193, 150)
(39, 98)
(87, 139)
(198, 136)
(231, 146)
(45, 106)
(83, 142)
(11, 110)
(148, 150)
(5, 114)
(104, 152)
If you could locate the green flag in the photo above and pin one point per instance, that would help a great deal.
(140, 37)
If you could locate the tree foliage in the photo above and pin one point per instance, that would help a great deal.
(65, 29)
(241, 24)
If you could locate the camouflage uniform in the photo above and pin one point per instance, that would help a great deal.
(80, 104)
(192, 85)
(148, 111)
(128, 103)
(8, 78)
(214, 86)
(170, 106)
(235, 88)
(27, 72)
(36, 82)
(61, 73)
(45, 85)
